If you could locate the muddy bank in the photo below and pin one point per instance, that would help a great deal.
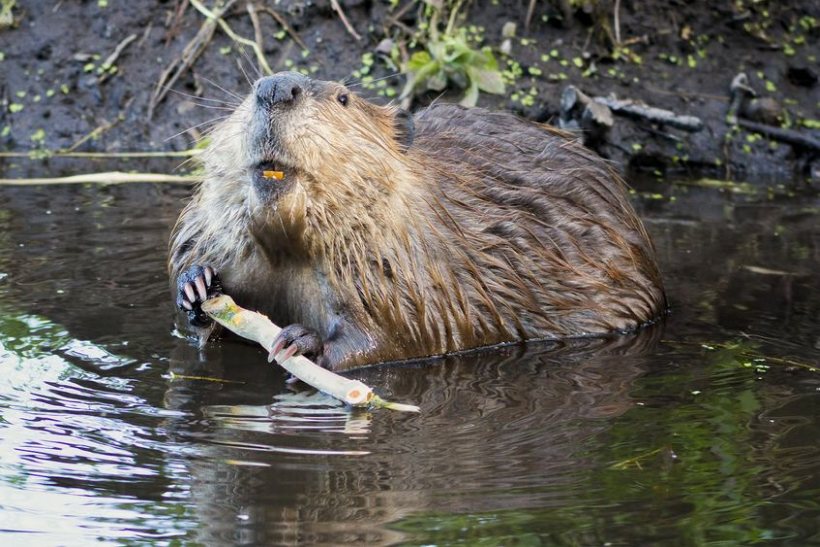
(81, 75)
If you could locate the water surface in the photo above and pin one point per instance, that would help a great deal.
(703, 430)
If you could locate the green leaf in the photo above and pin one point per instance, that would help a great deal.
(418, 60)
(486, 80)
(489, 60)
(437, 81)
(471, 96)
(419, 77)
(436, 49)
(457, 52)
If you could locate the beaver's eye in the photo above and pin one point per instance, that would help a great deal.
(342, 98)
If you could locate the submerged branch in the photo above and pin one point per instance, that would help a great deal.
(636, 460)
(174, 376)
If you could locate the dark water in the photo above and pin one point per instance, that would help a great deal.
(704, 430)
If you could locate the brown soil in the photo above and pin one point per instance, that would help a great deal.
(682, 57)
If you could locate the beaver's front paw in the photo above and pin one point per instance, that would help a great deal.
(296, 340)
(194, 286)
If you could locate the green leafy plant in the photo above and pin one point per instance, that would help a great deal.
(449, 58)
(6, 15)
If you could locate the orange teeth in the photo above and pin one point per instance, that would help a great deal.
(278, 175)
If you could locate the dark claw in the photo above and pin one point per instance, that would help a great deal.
(296, 340)
(194, 286)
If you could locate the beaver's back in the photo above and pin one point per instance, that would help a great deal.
(546, 221)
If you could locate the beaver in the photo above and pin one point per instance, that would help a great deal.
(379, 236)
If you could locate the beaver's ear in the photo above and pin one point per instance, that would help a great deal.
(405, 128)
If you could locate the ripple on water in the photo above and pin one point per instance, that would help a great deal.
(81, 455)
(306, 423)
(709, 426)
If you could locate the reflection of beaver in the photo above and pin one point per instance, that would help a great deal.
(392, 237)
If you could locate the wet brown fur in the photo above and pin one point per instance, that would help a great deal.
(486, 229)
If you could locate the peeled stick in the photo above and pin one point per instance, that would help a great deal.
(260, 329)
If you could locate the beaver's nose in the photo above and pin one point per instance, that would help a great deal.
(280, 88)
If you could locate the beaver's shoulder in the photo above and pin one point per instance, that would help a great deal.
(440, 117)
(479, 126)
(512, 159)
(502, 140)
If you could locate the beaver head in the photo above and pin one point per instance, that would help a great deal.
(302, 151)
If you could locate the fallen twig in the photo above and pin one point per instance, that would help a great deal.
(338, 9)
(111, 59)
(70, 153)
(93, 134)
(176, 22)
(181, 64)
(257, 327)
(257, 28)
(741, 94)
(616, 22)
(528, 18)
(398, 14)
(217, 16)
(790, 136)
(112, 177)
(656, 115)
(579, 108)
(284, 24)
